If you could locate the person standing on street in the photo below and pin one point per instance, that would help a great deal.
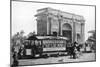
(15, 60)
(72, 51)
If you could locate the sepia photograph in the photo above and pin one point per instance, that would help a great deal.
(51, 33)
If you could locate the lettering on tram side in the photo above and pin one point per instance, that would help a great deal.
(54, 45)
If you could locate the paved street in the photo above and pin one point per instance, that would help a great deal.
(83, 57)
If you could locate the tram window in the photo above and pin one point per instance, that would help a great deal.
(44, 46)
(26, 43)
(58, 45)
(62, 45)
(48, 41)
(52, 45)
(40, 42)
(62, 41)
(48, 45)
(54, 41)
(59, 41)
(55, 33)
(32, 43)
(43, 41)
(36, 42)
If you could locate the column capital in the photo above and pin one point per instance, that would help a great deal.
(82, 23)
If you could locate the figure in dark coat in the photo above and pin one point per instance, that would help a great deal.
(72, 49)
(15, 60)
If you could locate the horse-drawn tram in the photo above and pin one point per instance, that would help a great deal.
(44, 46)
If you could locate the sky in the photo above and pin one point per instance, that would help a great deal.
(23, 15)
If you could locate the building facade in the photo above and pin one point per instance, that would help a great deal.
(55, 22)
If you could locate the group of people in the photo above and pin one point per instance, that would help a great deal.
(74, 50)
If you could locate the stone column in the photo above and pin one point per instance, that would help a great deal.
(61, 28)
(82, 32)
(74, 31)
(59, 21)
(47, 26)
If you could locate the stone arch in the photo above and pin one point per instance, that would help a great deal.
(66, 26)
(67, 31)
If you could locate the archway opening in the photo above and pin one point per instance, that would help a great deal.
(67, 31)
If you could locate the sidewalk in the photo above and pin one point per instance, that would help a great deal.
(83, 57)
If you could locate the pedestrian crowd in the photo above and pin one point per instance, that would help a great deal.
(74, 50)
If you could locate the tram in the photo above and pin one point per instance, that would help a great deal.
(45, 46)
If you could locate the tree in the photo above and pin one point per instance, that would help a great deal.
(17, 40)
(31, 34)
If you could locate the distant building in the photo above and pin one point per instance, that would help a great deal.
(93, 36)
(92, 40)
(55, 22)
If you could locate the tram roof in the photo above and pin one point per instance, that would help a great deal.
(46, 37)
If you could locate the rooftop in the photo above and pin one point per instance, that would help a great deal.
(59, 12)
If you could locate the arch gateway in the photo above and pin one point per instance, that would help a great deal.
(51, 21)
